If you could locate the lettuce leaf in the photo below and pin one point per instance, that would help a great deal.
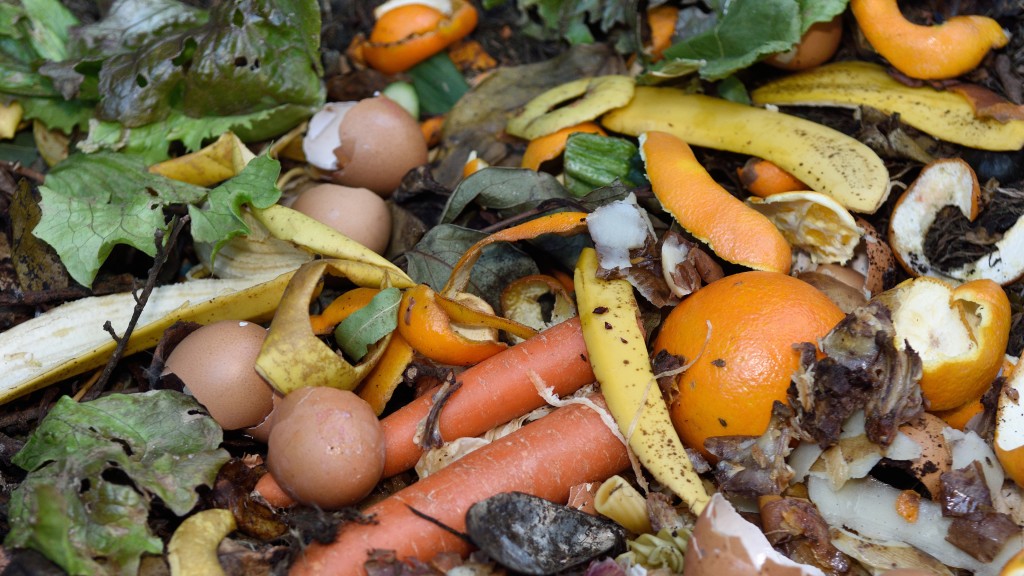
(95, 467)
(31, 32)
(91, 203)
(743, 32)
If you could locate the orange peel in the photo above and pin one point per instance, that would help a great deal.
(937, 52)
(950, 182)
(545, 148)
(409, 34)
(763, 178)
(734, 231)
(960, 333)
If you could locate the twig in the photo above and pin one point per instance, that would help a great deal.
(163, 249)
(19, 169)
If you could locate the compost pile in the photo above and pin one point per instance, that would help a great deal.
(515, 287)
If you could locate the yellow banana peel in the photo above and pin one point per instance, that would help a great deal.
(292, 355)
(70, 339)
(211, 165)
(944, 115)
(618, 355)
(547, 113)
(192, 550)
(827, 160)
(10, 119)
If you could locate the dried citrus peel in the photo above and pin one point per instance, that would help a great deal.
(409, 34)
(950, 182)
(945, 50)
(944, 115)
(733, 230)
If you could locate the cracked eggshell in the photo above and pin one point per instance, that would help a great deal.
(358, 213)
(936, 456)
(217, 365)
(723, 542)
(380, 143)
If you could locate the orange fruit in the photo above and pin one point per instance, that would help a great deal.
(734, 231)
(744, 365)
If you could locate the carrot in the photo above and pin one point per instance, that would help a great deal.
(272, 492)
(493, 392)
(546, 458)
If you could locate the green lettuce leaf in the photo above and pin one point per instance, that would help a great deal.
(95, 467)
(744, 32)
(221, 218)
(92, 203)
(369, 324)
(31, 32)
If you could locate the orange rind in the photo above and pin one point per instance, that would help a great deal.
(550, 147)
(960, 333)
(937, 52)
(1009, 433)
(733, 230)
(411, 33)
(813, 222)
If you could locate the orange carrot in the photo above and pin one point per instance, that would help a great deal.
(272, 492)
(570, 446)
(493, 392)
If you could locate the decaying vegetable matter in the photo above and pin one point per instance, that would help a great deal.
(449, 287)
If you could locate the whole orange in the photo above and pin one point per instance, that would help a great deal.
(744, 365)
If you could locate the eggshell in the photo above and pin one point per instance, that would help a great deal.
(936, 457)
(217, 365)
(261, 431)
(816, 47)
(881, 263)
(358, 213)
(326, 447)
(380, 143)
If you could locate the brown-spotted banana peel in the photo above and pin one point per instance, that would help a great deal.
(618, 355)
(827, 160)
(70, 339)
(944, 115)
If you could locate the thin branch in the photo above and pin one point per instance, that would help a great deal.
(21, 170)
(163, 249)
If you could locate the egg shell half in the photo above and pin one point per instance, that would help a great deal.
(380, 143)
(358, 213)
(217, 365)
(326, 447)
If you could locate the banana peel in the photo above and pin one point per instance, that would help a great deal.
(618, 354)
(826, 160)
(293, 356)
(10, 118)
(69, 340)
(547, 113)
(211, 165)
(192, 550)
(941, 114)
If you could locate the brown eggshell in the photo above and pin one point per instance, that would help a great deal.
(380, 143)
(261, 431)
(723, 542)
(217, 365)
(326, 447)
(936, 457)
(358, 213)
(816, 47)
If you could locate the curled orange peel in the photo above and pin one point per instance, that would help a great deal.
(427, 327)
(410, 34)
(380, 384)
(734, 231)
(945, 50)
(341, 308)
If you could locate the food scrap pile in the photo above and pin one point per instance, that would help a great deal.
(441, 287)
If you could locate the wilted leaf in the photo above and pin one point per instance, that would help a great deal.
(506, 190)
(95, 466)
(432, 259)
(37, 265)
(369, 324)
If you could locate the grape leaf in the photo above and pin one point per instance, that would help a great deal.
(221, 219)
(93, 469)
(369, 324)
(91, 203)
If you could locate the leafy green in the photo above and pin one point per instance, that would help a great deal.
(432, 259)
(593, 161)
(369, 324)
(744, 32)
(571, 19)
(95, 467)
(221, 218)
(31, 32)
(94, 202)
